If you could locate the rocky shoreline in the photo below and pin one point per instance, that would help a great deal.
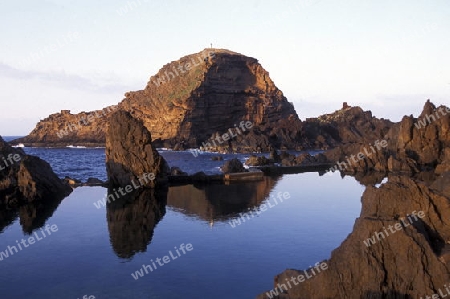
(186, 111)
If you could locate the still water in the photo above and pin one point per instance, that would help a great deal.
(95, 251)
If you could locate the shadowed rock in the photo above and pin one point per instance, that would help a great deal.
(25, 178)
(409, 263)
(130, 154)
(233, 166)
(414, 145)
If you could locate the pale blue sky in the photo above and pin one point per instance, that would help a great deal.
(386, 56)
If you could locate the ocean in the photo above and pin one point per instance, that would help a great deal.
(241, 235)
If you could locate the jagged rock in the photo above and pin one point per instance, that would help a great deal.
(63, 129)
(347, 125)
(233, 166)
(182, 105)
(25, 178)
(409, 149)
(130, 155)
(254, 160)
(424, 139)
(412, 256)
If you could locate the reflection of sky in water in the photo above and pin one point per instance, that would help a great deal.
(226, 262)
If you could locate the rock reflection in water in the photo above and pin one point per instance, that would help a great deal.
(132, 220)
(219, 202)
(32, 215)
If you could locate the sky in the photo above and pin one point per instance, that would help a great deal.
(383, 55)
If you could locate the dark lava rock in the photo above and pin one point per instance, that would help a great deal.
(233, 166)
(130, 154)
(414, 255)
(258, 161)
(25, 178)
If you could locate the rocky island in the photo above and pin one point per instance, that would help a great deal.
(194, 101)
(219, 100)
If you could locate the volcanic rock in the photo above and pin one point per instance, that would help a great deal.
(347, 125)
(233, 166)
(254, 160)
(409, 263)
(63, 129)
(197, 99)
(130, 155)
(414, 145)
(25, 178)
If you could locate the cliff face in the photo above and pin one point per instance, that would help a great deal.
(63, 129)
(204, 95)
(216, 99)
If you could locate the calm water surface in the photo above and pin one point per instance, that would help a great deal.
(95, 250)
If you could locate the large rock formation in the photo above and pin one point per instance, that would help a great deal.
(412, 262)
(201, 97)
(218, 100)
(130, 157)
(347, 125)
(63, 129)
(413, 145)
(25, 178)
